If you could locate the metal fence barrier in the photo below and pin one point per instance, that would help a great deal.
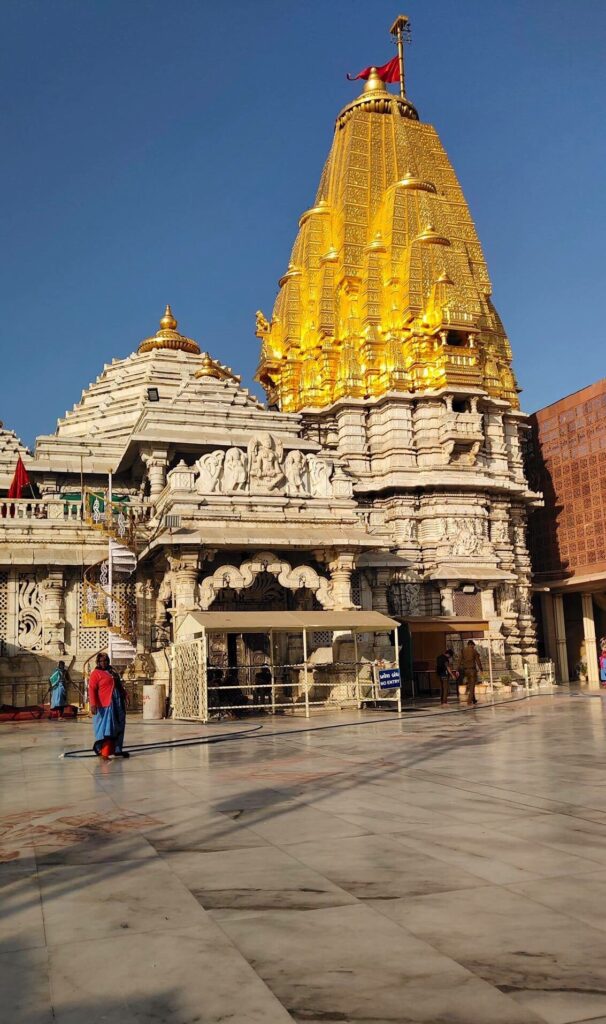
(203, 691)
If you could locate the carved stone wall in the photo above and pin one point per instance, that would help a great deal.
(29, 613)
(262, 468)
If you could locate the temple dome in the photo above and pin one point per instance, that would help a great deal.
(364, 308)
(168, 337)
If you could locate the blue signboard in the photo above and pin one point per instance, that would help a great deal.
(389, 678)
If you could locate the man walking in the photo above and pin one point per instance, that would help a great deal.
(471, 666)
(445, 673)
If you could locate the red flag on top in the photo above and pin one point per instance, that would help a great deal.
(20, 480)
(389, 72)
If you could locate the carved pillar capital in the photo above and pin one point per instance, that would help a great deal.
(341, 566)
(184, 568)
(156, 463)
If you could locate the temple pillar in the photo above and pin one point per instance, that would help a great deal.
(591, 647)
(341, 568)
(184, 567)
(380, 601)
(53, 613)
(156, 463)
(560, 637)
(549, 633)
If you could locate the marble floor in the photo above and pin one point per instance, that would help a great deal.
(445, 867)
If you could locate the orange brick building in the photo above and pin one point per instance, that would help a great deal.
(566, 460)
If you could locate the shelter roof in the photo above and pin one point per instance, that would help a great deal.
(263, 622)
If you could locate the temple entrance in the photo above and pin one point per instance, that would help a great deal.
(243, 658)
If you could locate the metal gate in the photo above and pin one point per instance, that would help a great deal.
(189, 680)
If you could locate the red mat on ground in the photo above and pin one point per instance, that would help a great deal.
(34, 713)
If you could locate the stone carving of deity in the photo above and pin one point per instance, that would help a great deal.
(320, 473)
(235, 470)
(498, 531)
(296, 472)
(209, 466)
(409, 530)
(411, 599)
(265, 463)
(466, 540)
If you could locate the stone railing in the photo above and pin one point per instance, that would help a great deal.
(63, 510)
(463, 425)
(15, 510)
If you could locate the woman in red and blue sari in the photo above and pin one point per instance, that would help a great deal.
(107, 698)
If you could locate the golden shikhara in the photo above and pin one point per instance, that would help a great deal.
(387, 287)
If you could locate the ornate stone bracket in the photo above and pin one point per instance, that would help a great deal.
(242, 577)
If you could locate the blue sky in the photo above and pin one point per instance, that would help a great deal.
(161, 152)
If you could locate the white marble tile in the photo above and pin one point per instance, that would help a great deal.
(165, 978)
(264, 878)
(292, 822)
(492, 855)
(86, 902)
(193, 828)
(582, 897)
(21, 921)
(24, 987)
(376, 867)
(546, 961)
(350, 964)
(569, 833)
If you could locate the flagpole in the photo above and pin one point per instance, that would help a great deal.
(399, 27)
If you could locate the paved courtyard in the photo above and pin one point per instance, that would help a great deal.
(447, 868)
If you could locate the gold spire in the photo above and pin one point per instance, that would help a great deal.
(168, 337)
(387, 286)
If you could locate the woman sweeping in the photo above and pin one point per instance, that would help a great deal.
(107, 698)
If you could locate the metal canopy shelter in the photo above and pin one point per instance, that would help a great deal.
(255, 622)
(197, 693)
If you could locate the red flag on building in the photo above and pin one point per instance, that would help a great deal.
(389, 72)
(20, 480)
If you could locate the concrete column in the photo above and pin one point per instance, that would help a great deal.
(562, 675)
(549, 634)
(591, 647)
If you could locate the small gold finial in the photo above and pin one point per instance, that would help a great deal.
(168, 322)
(373, 83)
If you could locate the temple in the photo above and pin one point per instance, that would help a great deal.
(384, 473)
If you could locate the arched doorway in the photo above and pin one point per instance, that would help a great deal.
(247, 654)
